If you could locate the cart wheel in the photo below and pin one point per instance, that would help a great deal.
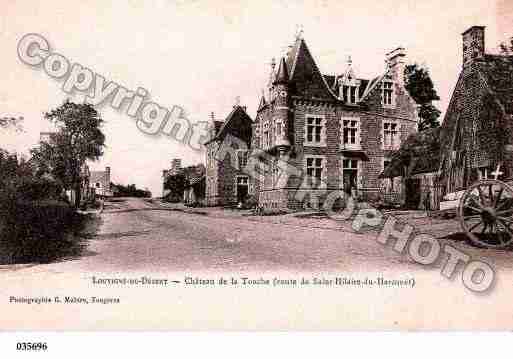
(486, 213)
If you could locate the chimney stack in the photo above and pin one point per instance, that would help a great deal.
(396, 64)
(473, 44)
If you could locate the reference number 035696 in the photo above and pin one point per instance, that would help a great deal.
(27, 346)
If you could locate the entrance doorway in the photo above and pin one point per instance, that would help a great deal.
(350, 176)
(242, 188)
(412, 193)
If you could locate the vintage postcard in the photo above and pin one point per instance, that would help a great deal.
(256, 165)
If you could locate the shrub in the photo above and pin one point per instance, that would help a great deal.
(36, 231)
(35, 224)
(250, 202)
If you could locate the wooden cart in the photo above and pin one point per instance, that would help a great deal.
(485, 212)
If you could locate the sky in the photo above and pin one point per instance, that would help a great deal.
(202, 55)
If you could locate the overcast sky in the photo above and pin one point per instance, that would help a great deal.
(201, 55)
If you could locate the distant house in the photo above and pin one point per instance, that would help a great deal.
(100, 182)
(195, 179)
(410, 178)
(477, 131)
(192, 183)
(227, 183)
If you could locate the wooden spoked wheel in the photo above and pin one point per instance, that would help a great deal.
(486, 213)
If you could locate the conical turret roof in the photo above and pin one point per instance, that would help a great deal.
(282, 76)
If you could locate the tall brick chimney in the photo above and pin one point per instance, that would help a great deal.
(396, 63)
(473, 44)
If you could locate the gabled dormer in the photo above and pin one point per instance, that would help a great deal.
(349, 85)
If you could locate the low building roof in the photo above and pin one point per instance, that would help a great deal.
(420, 153)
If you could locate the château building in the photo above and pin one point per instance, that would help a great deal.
(339, 130)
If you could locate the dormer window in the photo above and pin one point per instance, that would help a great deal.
(349, 86)
(388, 94)
(349, 91)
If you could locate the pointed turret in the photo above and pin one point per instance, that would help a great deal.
(282, 76)
(262, 102)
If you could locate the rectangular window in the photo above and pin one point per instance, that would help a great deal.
(266, 138)
(390, 135)
(388, 93)
(350, 132)
(314, 130)
(314, 171)
(279, 130)
(257, 135)
(242, 158)
(242, 181)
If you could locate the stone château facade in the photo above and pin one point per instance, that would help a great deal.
(339, 130)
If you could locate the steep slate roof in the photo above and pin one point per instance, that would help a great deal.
(262, 103)
(238, 113)
(373, 84)
(304, 75)
(306, 80)
(420, 153)
(282, 76)
(218, 125)
(494, 74)
(330, 80)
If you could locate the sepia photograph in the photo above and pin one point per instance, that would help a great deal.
(256, 166)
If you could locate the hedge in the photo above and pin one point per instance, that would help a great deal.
(37, 231)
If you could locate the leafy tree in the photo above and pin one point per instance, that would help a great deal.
(420, 87)
(130, 191)
(79, 138)
(176, 185)
(20, 182)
